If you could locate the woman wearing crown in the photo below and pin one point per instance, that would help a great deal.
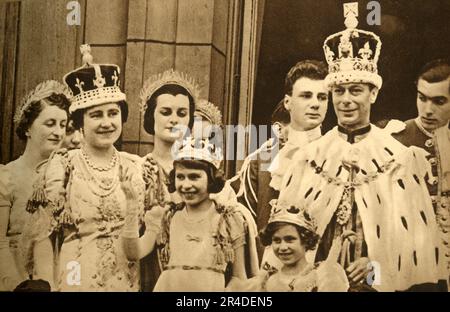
(200, 241)
(81, 206)
(40, 122)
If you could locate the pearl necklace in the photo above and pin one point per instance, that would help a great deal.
(88, 161)
(105, 186)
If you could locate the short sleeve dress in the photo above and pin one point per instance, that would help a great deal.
(198, 251)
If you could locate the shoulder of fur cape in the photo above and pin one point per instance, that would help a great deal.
(395, 126)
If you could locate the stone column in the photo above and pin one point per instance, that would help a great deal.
(47, 49)
(187, 35)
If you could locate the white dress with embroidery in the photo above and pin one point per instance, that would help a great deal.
(193, 264)
(91, 257)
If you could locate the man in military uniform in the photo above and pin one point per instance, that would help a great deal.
(298, 118)
(430, 131)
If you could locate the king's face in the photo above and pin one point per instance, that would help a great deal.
(433, 103)
(352, 102)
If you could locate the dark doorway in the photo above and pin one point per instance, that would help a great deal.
(412, 33)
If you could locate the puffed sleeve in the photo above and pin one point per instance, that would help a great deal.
(234, 226)
(55, 176)
(46, 204)
(331, 277)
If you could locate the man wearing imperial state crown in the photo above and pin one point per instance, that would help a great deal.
(365, 189)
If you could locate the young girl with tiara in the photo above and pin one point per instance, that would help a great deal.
(200, 241)
(291, 233)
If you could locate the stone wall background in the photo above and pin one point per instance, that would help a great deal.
(143, 37)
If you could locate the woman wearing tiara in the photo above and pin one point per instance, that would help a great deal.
(40, 122)
(82, 192)
(168, 104)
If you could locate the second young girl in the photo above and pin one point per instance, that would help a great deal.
(291, 233)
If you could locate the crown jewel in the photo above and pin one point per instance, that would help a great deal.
(41, 91)
(197, 149)
(93, 84)
(170, 76)
(291, 214)
(209, 111)
(352, 55)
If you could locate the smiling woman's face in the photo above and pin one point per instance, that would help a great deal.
(47, 131)
(102, 125)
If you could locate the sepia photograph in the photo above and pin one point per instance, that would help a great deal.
(238, 147)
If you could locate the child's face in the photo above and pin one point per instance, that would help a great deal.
(191, 184)
(287, 245)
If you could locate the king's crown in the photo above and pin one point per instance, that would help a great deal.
(352, 54)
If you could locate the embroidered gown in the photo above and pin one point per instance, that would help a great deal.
(195, 253)
(88, 215)
(16, 187)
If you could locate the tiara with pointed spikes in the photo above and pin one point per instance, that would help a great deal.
(41, 91)
(291, 214)
(197, 149)
(209, 111)
(170, 76)
(352, 54)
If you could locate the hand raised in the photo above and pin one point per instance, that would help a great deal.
(125, 177)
